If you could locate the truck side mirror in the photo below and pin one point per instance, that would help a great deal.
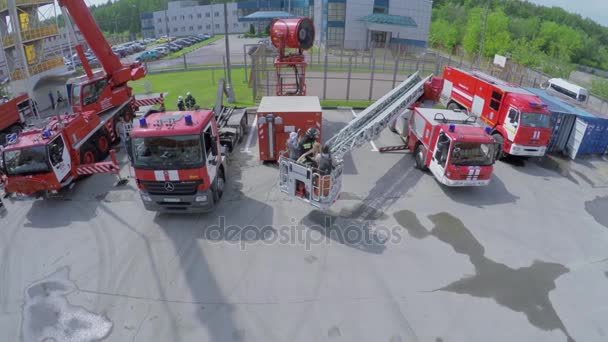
(128, 145)
(213, 146)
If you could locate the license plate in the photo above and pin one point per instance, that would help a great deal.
(171, 200)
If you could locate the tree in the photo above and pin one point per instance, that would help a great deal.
(497, 38)
(472, 31)
(251, 29)
(443, 34)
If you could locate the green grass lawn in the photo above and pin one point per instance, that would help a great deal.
(201, 83)
(203, 86)
(193, 47)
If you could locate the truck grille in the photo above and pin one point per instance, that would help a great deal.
(170, 188)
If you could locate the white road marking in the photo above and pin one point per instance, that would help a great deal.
(374, 148)
(254, 126)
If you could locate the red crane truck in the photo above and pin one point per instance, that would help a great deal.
(13, 114)
(518, 120)
(104, 89)
(456, 149)
(179, 158)
(42, 161)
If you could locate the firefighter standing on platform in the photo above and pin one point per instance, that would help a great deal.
(180, 104)
(190, 101)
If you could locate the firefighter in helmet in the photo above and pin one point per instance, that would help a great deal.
(190, 101)
(309, 138)
(180, 103)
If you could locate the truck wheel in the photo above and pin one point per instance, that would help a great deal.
(419, 157)
(500, 154)
(87, 154)
(454, 106)
(103, 146)
(218, 187)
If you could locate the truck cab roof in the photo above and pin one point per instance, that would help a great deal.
(465, 126)
(37, 136)
(171, 123)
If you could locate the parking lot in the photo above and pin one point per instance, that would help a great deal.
(398, 258)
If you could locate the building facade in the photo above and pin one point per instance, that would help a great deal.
(364, 24)
(186, 18)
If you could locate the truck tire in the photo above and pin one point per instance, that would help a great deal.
(103, 145)
(454, 106)
(88, 154)
(419, 157)
(218, 188)
(500, 154)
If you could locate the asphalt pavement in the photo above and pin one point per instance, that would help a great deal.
(398, 258)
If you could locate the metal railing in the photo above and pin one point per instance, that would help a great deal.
(39, 32)
(38, 68)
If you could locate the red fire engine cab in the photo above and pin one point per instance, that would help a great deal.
(178, 161)
(42, 161)
(456, 149)
(518, 120)
(13, 114)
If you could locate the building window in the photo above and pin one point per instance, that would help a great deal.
(182, 17)
(217, 26)
(336, 11)
(183, 28)
(207, 15)
(191, 17)
(199, 15)
(217, 14)
(381, 6)
(236, 25)
(335, 36)
(160, 20)
(200, 27)
(175, 29)
(208, 27)
(191, 28)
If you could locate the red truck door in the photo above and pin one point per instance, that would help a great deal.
(439, 157)
(60, 159)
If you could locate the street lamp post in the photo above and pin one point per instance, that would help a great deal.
(229, 89)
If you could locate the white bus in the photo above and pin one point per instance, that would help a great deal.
(568, 89)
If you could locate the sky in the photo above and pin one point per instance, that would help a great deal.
(594, 9)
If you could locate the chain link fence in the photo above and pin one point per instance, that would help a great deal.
(354, 75)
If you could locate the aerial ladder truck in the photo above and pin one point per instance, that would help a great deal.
(457, 150)
(44, 160)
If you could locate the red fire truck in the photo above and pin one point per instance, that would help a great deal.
(42, 161)
(456, 149)
(180, 157)
(13, 114)
(518, 120)
(104, 89)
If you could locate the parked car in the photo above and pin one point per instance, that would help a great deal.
(181, 43)
(148, 56)
(173, 47)
(207, 36)
(120, 51)
(162, 50)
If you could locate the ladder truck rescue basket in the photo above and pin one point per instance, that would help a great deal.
(321, 191)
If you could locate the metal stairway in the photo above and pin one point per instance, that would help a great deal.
(322, 191)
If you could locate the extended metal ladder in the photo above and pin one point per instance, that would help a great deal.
(321, 191)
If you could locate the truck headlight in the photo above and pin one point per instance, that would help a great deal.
(146, 198)
(202, 198)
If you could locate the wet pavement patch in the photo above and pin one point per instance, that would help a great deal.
(49, 316)
(598, 208)
(552, 164)
(524, 289)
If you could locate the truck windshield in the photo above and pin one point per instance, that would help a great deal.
(535, 120)
(27, 161)
(76, 94)
(472, 154)
(167, 152)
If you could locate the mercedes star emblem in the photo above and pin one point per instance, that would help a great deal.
(169, 186)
